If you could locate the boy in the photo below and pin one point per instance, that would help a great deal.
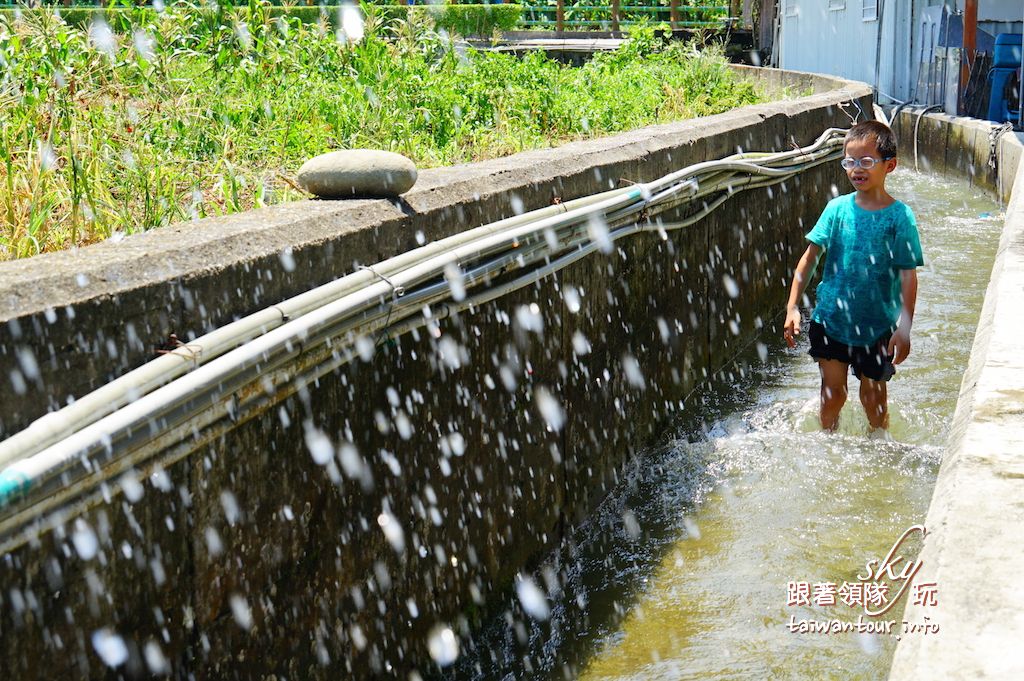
(868, 290)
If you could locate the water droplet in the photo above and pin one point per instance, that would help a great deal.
(241, 611)
(242, 32)
(580, 344)
(528, 318)
(143, 45)
(229, 503)
(319, 445)
(28, 364)
(731, 287)
(534, 602)
(551, 238)
(287, 259)
(456, 282)
(102, 38)
(155, 659)
(597, 230)
(84, 540)
(132, 488)
(549, 408)
(452, 354)
(456, 443)
(213, 543)
(869, 643)
(634, 375)
(392, 531)
(110, 647)
(443, 645)
(47, 157)
(572, 299)
(365, 348)
(631, 524)
(350, 25)
(403, 425)
(691, 528)
(351, 462)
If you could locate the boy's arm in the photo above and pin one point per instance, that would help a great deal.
(899, 344)
(802, 275)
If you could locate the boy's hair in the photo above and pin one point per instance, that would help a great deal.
(878, 131)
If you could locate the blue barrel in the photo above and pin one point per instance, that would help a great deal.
(1007, 52)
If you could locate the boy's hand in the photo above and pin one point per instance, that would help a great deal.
(899, 345)
(792, 327)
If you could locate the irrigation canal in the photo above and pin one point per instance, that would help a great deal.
(683, 573)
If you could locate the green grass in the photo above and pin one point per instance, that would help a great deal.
(182, 114)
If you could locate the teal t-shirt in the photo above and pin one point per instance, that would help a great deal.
(859, 297)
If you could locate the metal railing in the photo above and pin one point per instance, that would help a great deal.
(544, 14)
(559, 15)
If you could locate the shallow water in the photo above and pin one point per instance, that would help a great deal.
(683, 573)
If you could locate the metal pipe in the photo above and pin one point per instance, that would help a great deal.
(917, 126)
(970, 45)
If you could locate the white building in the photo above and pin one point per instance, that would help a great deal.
(897, 46)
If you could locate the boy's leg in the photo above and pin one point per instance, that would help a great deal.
(874, 397)
(873, 366)
(833, 391)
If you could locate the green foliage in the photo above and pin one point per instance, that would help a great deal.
(597, 14)
(186, 113)
(462, 19)
(472, 20)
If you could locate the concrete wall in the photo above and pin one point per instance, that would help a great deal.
(976, 519)
(246, 559)
(959, 147)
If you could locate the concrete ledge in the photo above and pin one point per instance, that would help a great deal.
(976, 518)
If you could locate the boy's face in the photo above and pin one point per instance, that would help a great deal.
(867, 180)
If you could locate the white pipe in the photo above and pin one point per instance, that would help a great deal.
(283, 343)
(108, 398)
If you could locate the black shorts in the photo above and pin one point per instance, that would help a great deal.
(872, 361)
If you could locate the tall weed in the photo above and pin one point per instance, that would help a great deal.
(167, 116)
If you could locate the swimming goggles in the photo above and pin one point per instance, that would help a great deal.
(867, 163)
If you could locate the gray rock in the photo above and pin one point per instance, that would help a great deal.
(357, 172)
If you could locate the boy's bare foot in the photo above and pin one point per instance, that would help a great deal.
(879, 434)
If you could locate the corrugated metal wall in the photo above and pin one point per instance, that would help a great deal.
(839, 37)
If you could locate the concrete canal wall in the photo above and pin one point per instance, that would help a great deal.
(966, 148)
(975, 522)
(248, 559)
